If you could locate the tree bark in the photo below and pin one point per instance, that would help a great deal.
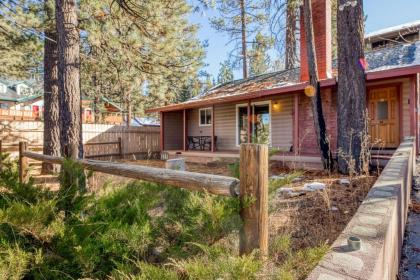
(316, 101)
(351, 103)
(69, 78)
(51, 101)
(290, 57)
(244, 50)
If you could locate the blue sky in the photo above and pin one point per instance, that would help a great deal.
(380, 14)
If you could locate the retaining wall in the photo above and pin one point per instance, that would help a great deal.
(379, 223)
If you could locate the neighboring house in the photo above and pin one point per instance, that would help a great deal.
(400, 34)
(20, 100)
(273, 107)
(23, 100)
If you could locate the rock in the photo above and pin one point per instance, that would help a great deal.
(334, 208)
(277, 177)
(344, 182)
(175, 164)
(314, 186)
(287, 193)
(297, 179)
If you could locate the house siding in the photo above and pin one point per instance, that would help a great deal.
(193, 127)
(173, 130)
(225, 126)
(282, 123)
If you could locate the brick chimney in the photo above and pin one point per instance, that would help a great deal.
(321, 16)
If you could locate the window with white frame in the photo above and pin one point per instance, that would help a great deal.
(205, 116)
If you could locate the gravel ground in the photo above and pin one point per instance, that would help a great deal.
(410, 261)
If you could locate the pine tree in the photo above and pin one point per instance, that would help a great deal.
(225, 73)
(140, 64)
(240, 19)
(259, 61)
(20, 44)
(351, 84)
(69, 78)
(51, 143)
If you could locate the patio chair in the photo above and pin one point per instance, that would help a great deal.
(207, 143)
(193, 143)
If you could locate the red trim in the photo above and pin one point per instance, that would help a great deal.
(393, 73)
(162, 136)
(184, 123)
(212, 129)
(413, 106)
(249, 121)
(400, 109)
(296, 125)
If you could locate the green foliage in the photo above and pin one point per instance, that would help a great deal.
(295, 265)
(275, 184)
(20, 48)
(234, 169)
(229, 21)
(225, 73)
(218, 263)
(259, 61)
(141, 61)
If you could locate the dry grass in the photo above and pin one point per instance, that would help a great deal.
(318, 217)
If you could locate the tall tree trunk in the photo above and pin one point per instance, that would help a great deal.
(51, 92)
(129, 109)
(244, 50)
(69, 78)
(291, 16)
(351, 84)
(316, 101)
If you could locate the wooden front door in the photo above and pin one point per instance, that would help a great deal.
(384, 129)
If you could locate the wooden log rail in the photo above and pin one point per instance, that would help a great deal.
(252, 188)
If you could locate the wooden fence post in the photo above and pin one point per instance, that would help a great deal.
(120, 151)
(254, 198)
(23, 162)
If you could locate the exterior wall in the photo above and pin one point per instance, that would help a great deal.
(282, 123)
(193, 124)
(173, 130)
(307, 136)
(225, 126)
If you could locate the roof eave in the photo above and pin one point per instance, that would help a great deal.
(393, 73)
(228, 99)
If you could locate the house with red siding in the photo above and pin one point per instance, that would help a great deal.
(273, 108)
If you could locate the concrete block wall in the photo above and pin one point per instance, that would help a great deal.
(379, 223)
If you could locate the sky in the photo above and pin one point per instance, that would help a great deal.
(380, 14)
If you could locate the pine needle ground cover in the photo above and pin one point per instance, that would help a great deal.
(132, 231)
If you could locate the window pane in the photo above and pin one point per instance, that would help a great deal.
(382, 110)
(202, 117)
(208, 116)
(243, 125)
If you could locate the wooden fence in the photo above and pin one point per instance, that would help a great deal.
(134, 140)
(252, 188)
